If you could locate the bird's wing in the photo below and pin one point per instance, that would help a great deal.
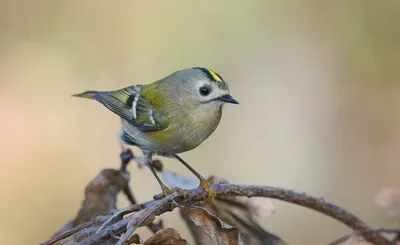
(129, 104)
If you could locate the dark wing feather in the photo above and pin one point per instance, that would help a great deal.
(129, 104)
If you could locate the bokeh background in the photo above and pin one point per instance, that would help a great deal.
(318, 83)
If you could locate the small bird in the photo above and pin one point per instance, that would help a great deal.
(169, 116)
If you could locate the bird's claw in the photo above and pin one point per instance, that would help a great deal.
(179, 191)
(167, 191)
(209, 190)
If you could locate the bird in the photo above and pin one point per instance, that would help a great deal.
(169, 116)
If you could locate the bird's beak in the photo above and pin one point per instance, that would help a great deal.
(228, 99)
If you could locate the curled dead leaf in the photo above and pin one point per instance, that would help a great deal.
(167, 236)
(100, 197)
(218, 231)
(135, 239)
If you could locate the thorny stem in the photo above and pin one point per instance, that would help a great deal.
(224, 190)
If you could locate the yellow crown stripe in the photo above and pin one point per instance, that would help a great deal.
(215, 76)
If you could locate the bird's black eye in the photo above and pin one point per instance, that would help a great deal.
(205, 90)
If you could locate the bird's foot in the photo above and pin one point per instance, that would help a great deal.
(167, 191)
(205, 185)
(179, 191)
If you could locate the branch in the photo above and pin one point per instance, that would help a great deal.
(163, 205)
(381, 230)
(68, 233)
(302, 199)
(151, 208)
(143, 216)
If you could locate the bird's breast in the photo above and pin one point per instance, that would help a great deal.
(198, 126)
(186, 132)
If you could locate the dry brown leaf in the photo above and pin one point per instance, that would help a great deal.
(252, 233)
(218, 231)
(100, 199)
(167, 236)
(240, 212)
(135, 239)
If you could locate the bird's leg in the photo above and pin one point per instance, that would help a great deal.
(166, 191)
(148, 158)
(203, 182)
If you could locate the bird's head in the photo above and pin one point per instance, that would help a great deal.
(200, 87)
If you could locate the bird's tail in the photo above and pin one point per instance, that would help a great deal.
(116, 101)
(87, 94)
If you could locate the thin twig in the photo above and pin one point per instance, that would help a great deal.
(122, 212)
(161, 206)
(224, 190)
(381, 230)
(68, 233)
(142, 216)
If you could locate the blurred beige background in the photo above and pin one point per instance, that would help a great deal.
(318, 83)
